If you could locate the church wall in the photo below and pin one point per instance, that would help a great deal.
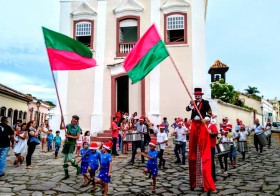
(174, 97)
(232, 112)
(171, 105)
(80, 96)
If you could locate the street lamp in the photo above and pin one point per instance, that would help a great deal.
(262, 114)
(38, 104)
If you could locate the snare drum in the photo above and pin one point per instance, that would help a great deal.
(132, 137)
(222, 148)
(243, 146)
(266, 133)
(262, 139)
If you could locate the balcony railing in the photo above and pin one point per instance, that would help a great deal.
(125, 48)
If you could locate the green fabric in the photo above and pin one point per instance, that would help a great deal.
(68, 148)
(67, 158)
(74, 131)
(75, 164)
(59, 41)
(157, 54)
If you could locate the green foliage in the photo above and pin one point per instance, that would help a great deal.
(225, 92)
(50, 103)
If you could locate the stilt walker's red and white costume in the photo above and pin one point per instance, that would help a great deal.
(199, 145)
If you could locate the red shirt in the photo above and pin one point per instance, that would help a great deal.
(213, 129)
(115, 130)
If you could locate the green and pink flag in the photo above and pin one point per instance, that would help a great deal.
(147, 53)
(66, 53)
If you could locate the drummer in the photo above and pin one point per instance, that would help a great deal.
(142, 129)
(224, 140)
(258, 129)
(233, 137)
(243, 138)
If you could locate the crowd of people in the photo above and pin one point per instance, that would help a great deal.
(198, 141)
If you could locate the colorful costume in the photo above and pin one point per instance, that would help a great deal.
(106, 158)
(152, 163)
(199, 147)
(94, 160)
(85, 160)
(69, 148)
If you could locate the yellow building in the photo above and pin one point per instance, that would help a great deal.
(13, 104)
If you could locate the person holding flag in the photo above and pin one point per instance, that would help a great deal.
(67, 54)
(199, 146)
(72, 133)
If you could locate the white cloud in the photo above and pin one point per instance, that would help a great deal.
(28, 85)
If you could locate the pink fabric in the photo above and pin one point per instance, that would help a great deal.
(141, 48)
(65, 60)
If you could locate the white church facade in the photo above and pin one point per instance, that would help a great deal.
(110, 28)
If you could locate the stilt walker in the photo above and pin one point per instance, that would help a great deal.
(200, 165)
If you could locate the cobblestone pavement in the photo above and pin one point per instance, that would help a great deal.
(257, 175)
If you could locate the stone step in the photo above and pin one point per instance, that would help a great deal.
(100, 139)
(104, 135)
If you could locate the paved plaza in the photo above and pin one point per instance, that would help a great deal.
(257, 175)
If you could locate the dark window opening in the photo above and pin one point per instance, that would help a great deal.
(128, 34)
(84, 39)
(175, 35)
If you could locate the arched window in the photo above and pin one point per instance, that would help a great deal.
(24, 116)
(10, 112)
(3, 111)
(175, 25)
(83, 32)
(20, 115)
(15, 117)
(128, 30)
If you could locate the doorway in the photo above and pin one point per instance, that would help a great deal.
(122, 91)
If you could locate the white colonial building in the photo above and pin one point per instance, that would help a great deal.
(110, 28)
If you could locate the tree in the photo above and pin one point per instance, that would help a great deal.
(251, 91)
(50, 103)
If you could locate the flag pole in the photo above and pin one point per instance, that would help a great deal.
(59, 103)
(185, 86)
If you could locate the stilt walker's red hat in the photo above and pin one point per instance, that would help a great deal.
(198, 91)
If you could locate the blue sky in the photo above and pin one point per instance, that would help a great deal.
(244, 34)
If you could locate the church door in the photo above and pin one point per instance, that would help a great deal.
(122, 93)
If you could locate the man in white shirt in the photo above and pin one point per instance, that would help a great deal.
(162, 140)
(258, 129)
(141, 128)
(181, 133)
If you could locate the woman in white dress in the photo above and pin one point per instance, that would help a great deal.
(21, 144)
(43, 135)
